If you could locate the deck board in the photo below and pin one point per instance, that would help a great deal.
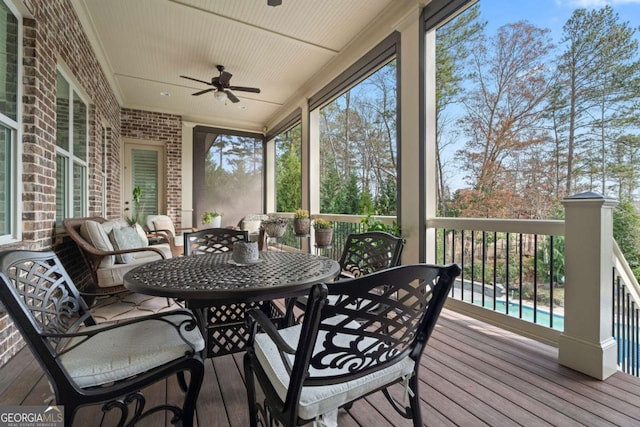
(471, 374)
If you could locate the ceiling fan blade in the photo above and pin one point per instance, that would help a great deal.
(224, 78)
(245, 89)
(196, 80)
(231, 96)
(203, 91)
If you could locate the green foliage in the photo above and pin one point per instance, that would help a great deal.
(321, 224)
(136, 215)
(301, 214)
(626, 231)
(207, 217)
(549, 257)
(371, 224)
(288, 170)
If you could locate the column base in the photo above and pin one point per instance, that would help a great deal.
(598, 360)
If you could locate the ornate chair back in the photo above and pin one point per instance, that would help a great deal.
(87, 363)
(334, 352)
(365, 253)
(212, 240)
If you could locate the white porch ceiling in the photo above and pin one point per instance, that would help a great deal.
(145, 45)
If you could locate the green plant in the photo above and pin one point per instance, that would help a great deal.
(136, 213)
(301, 214)
(207, 217)
(321, 224)
(372, 224)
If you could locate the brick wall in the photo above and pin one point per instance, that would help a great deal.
(55, 36)
(165, 128)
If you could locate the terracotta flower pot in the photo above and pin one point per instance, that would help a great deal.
(324, 236)
(301, 226)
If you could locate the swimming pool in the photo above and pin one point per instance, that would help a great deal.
(543, 317)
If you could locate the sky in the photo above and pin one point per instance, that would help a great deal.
(551, 14)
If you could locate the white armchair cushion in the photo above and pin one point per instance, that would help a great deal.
(128, 350)
(122, 239)
(94, 233)
(319, 400)
(143, 236)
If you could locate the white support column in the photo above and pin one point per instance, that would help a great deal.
(187, 175)
(313, 145)
(586, 344)
(270, 172)
(411, 222)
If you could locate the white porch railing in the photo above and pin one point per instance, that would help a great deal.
(502, 229)
(603, 305)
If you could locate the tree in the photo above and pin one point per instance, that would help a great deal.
(358, 144)
(288, 170)
(503, 110)
(598, 72)
(623, 166)
(453, 47)
(626, 231)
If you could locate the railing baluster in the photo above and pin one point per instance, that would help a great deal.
(507, 280)
(551, 281)
(484, 263)
(495, 267)
(521, 279)
(535, 278)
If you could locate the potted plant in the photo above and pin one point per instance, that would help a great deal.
(212, 217)
(301, 222)
(275, 226)
(323, 232)
(136, 213)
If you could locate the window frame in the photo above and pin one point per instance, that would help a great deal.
(72, 159)
(389, 49)
(106, 134)
(15, 126)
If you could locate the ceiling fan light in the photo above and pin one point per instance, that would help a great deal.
(220, 95)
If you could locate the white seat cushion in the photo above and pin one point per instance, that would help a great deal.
(114, 275)
(129, 350)
(318, 400)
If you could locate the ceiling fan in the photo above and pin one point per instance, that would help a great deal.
(221, 86)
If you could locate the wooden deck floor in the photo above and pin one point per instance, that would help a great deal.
(472, 374)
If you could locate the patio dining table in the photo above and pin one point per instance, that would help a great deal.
(219, 291)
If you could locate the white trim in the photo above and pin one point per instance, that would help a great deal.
(16, 143)
(72, 158)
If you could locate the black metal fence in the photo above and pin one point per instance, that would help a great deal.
(518, 274)
(626, 327)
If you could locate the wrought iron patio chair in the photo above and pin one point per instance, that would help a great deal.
(330, 360)
(212, 240)
(363, 253)
(88, 363)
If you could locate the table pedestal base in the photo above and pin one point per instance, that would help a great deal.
(224, 327)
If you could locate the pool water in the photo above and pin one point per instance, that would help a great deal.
(542, 317)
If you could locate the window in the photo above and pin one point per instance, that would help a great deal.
(358, 148)
(71, 150)
(10, 172)
(227, 173)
